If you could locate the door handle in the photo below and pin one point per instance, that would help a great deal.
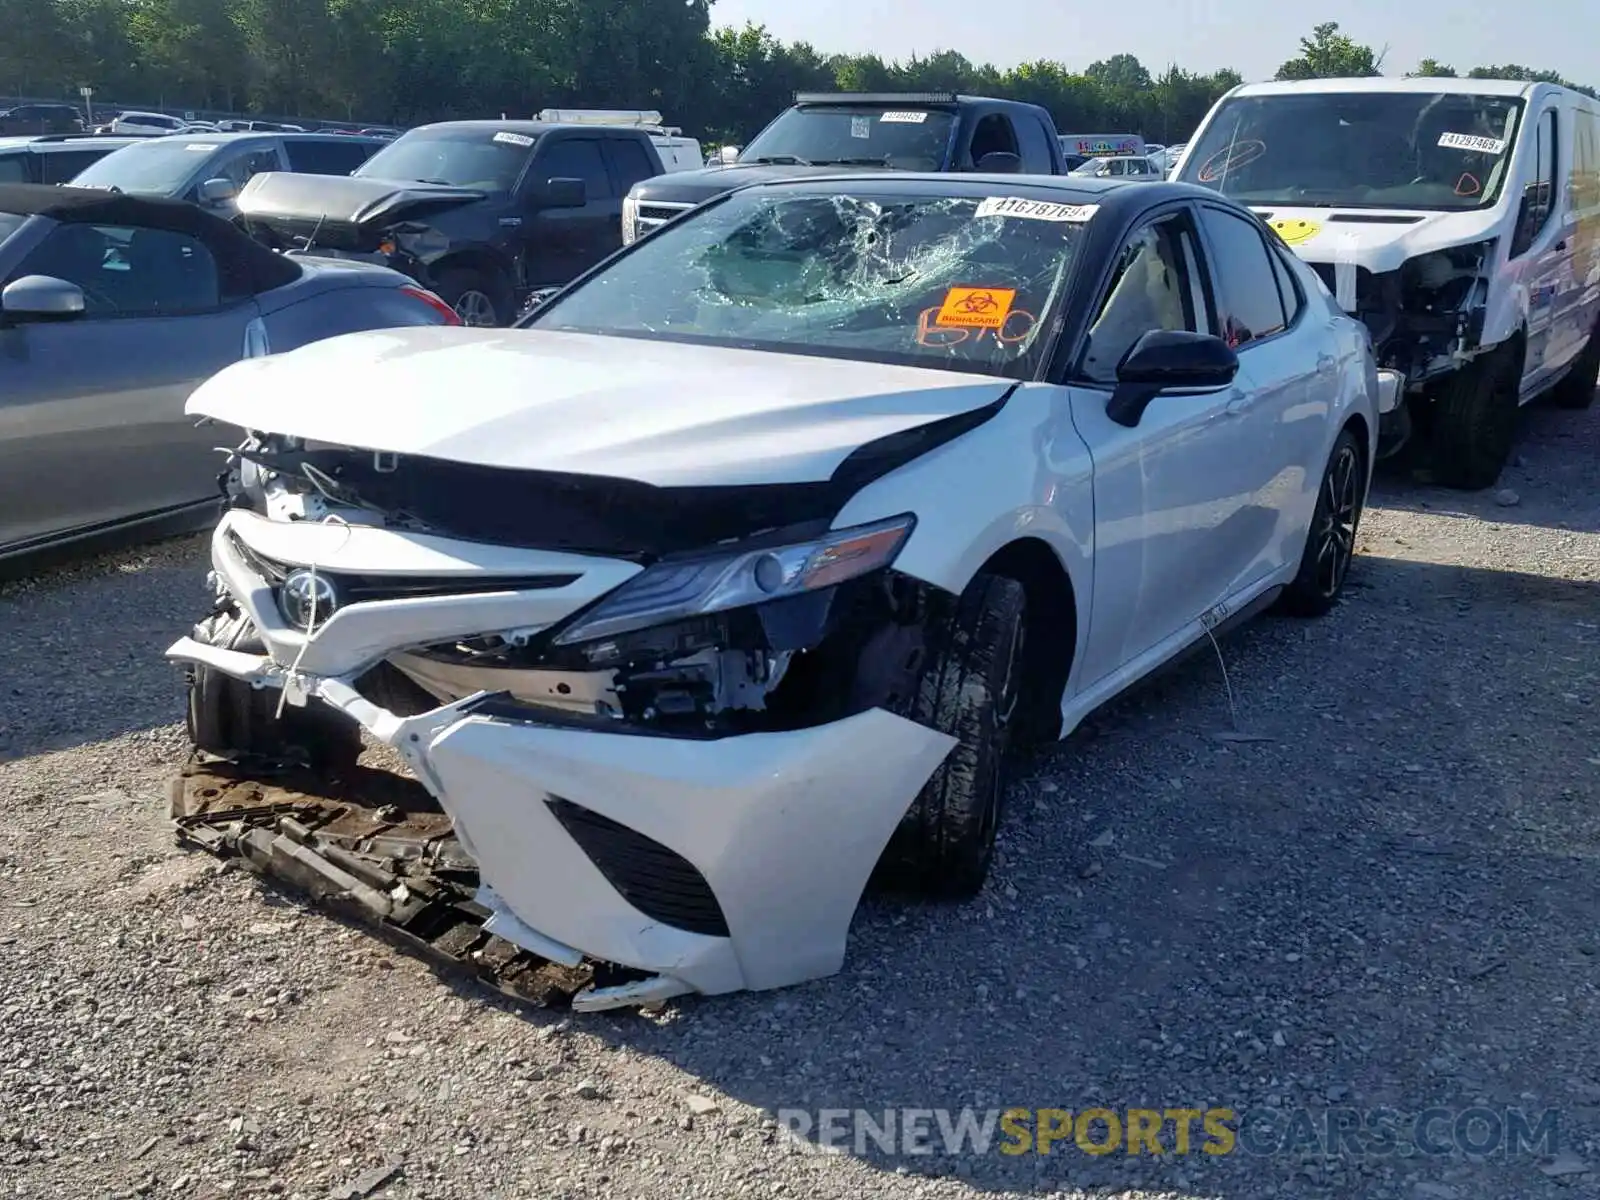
(1325, 364)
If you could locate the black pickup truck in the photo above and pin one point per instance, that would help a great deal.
(482, 212)
(826, 132)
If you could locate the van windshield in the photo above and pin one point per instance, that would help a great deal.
(1429, 150)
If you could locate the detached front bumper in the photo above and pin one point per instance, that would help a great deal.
(713, 865)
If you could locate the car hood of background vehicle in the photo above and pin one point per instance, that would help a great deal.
(692, 187)
(289, 201)
(661, 413)
(1379, 240)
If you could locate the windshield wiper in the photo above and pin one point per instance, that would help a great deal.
(780, 160)
(849, 162)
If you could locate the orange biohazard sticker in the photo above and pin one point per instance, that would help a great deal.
(976, 307)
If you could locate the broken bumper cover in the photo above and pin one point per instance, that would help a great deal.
(711, 865)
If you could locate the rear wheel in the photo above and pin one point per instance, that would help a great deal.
(480, 298)
(232, 720)
(967, 687)
(1331, 540)
(1475, 420)
(1576, 391)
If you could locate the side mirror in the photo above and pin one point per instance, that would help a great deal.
(728, 154)
(1166, 360)
(41, 298)
(215, 191)
(999, 162)
(561, 193)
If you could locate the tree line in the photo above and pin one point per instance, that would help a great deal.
(409, 61)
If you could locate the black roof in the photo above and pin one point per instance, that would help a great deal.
(247, 265)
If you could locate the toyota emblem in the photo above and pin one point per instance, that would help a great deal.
(307, 599)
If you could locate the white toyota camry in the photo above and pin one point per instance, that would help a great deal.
(730, 578)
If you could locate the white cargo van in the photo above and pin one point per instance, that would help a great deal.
(1459, 218)
(678, 153)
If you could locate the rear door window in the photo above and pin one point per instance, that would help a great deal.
(1248, 300)
(14, 168)
(629, 163)
(1035, 144)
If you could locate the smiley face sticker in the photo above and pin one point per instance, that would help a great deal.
(1295, 230)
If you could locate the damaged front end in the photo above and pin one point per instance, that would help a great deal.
(1426, 320)
(656, 733)
(370, 220)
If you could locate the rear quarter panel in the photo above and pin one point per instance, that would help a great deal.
(339, 300)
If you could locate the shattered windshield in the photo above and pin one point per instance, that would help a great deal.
(963, 284)
(1445, 151)
(912, 139)
(486, 160)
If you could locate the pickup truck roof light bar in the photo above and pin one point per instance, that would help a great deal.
(875, 98)
(637, 118)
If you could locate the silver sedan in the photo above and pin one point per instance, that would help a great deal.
(112, 310)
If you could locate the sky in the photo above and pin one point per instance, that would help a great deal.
(1251, 36)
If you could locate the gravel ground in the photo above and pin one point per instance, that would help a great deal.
(1373, 886)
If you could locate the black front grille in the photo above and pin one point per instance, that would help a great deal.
(354, 589)
(357, 588)
(659, 882)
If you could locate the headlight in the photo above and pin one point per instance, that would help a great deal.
(630, 220)
(673, 591)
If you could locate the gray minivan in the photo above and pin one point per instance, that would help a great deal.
(208, 169)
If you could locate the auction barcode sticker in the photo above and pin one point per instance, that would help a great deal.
(903, 118)
(1035, 210)
(507, 138)
(1467, 141)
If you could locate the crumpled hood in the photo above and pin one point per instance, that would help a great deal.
(1377, 239)
(660, 413)
(342, 209)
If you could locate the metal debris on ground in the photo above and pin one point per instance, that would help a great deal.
(375, 847)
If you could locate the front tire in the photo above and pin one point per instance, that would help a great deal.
(231, 720)
(1331, 540)
(480, 298)
(1475, 420)
(967, 687)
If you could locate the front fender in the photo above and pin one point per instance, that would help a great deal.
(1509, 313)
(1024, 474)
